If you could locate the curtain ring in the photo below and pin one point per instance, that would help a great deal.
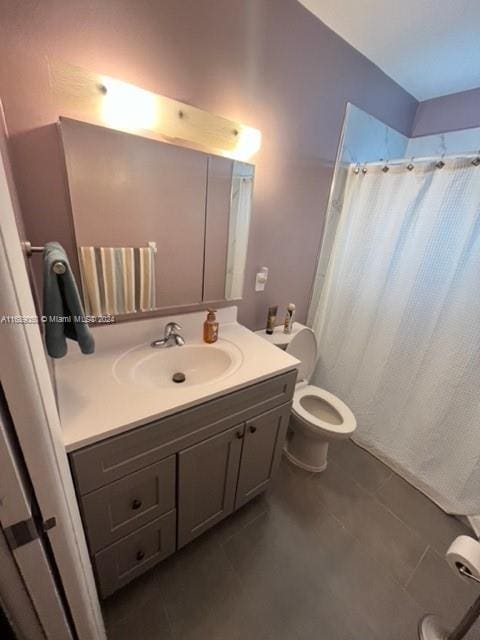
(356, 170)
(385, 168)
(410, 165)
(364, 170)
(440, 164)
(476, 161)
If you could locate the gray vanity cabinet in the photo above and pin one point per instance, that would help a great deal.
(207, 481)
(149, 491)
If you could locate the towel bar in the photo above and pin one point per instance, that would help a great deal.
(58, 267)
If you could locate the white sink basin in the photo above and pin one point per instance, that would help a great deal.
(146, 367)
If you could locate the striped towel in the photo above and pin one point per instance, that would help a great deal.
(117, 280)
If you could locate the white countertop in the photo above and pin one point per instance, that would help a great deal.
(94, 405)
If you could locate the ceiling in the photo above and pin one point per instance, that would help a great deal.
(430, 47)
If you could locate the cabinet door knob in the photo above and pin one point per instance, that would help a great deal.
(136, 504)
(239, 435)
(140, 555)
(252, 428)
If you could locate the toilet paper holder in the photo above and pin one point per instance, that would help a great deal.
(431, 626)
(465, 572)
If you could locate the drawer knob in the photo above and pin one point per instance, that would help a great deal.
(136, 504)
(140, 555)
(239, 434)
(252, 429)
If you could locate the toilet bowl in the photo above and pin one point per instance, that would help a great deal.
(317, 416)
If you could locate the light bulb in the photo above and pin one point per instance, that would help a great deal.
(249, 142)
(125, 106)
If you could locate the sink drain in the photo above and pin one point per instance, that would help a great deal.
(178, 377)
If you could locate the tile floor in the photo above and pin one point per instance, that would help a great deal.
(354, 553)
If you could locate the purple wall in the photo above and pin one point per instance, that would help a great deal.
(268, 63)
(448, 113)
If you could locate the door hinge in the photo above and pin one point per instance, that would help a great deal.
(25, 531)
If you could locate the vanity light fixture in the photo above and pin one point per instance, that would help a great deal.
(99, 99)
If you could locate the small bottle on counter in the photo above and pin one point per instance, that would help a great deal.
(210, 327)
(289, 317)
(271, 318)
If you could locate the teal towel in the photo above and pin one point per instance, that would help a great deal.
(63, 312)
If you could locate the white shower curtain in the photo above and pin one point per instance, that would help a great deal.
(398, 323)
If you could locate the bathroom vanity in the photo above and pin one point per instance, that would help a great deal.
(152, 490)
(163, 443)
(152, 478)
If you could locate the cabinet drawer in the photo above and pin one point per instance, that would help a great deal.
(107, 461)
(114, 511)
(128, 558)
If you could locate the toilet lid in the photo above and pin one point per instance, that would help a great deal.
(303, 346)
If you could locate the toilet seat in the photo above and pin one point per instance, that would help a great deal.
(316, 424)
(317, 416)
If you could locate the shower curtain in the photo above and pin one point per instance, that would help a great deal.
(398, 323)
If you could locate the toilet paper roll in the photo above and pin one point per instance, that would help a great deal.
(464, 551)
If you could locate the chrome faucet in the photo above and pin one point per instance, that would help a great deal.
(171, 337)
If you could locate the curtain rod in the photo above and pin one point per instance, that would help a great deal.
(410, 162)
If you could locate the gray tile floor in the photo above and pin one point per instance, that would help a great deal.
(354, 553)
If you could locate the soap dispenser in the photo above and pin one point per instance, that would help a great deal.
(210, 327)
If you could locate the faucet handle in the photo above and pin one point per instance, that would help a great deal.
(172, 327)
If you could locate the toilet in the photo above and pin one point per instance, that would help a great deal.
(317, 416)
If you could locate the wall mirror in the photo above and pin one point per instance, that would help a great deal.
(156, 225)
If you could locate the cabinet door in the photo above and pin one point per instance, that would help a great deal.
(146, 190)
(262, 450)
(207, 480)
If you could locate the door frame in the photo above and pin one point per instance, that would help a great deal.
(27, 551)
(29, 393)
(15, 599)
